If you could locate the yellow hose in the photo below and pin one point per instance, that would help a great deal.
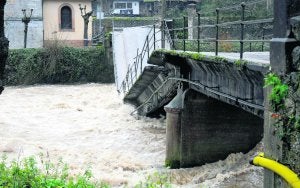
(283, 171)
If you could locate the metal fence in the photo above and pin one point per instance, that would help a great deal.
(209, 36)
(210, 33)
(152, 42)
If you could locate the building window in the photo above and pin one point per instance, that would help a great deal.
(120, 5)
(129, 5)
(66, 17)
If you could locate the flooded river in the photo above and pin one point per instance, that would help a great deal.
(89, 126)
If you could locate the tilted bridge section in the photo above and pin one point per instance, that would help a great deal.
(214, 100)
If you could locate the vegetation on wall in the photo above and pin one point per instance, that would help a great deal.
(285, 114)
(200, 57)
(279, 91)
(56, 64)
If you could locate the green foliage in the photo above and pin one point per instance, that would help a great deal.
(285, 120)
(295, 121)
(254, 10)
(197, 56)
(172, 164)
(193, 55)
(56, 64)
(279, 91)
(240, 63)
(26, 174)
(176, 11)
(156, 180)
(219, 59)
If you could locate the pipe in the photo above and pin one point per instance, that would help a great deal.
(287, 174)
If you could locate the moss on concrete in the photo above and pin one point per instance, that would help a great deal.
(172, 163)
(200, 57)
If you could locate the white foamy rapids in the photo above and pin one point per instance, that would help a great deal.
(89, 126)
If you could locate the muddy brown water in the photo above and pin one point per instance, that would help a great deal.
(88, 126)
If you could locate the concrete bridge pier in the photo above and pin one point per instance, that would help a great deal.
(202, 130)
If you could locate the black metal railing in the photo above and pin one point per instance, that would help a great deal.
(182, 42)
(136, 68)
(208, 32)
(98, 38)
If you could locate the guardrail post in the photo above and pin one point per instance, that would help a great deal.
(131, 76)
(154, 39)
(141, 55)
(217, 31)
(242, 30)
(171, 30)
(136, 62)
(147, 41)
(163, 34)
(173, 33)
(184, 32)
(127, 83)
(198, 36)
(263, 38)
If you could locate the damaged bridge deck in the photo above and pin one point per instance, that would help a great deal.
(224, 77)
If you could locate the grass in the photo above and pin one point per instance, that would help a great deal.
(156, 180)
(27, 174)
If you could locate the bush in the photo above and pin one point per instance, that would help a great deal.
(156, 180)
(27, 174)
(56, 64)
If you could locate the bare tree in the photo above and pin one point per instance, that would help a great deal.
(3, 44)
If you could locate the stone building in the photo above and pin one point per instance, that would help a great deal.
(60, 20)
(63, 21)
(51, 20)
(14, 28)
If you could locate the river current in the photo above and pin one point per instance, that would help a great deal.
(88, 126)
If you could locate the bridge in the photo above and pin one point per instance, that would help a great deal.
(214, 99)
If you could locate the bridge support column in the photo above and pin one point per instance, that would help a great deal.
(173, 132)
(204, 130)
